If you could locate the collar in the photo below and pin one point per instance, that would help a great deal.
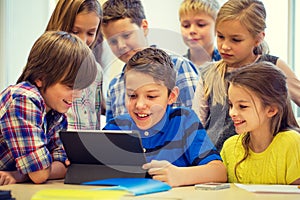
(216, 55)
(161, 126)
(123, 70)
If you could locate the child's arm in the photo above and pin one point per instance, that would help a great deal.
(40, 176)
(293, 82)
(42, 152)
(11, 177)
(296, 182)
(58, 170)
(213, 171)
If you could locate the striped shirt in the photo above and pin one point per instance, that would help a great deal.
(29, 139)
(186, 80)
(178, 138)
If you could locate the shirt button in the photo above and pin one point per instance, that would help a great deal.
(146, 133)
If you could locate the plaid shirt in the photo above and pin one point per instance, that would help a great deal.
(29, 139)
(186, 81)
(85, 112)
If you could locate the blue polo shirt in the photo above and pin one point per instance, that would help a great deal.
(178, 138)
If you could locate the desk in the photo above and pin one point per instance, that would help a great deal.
(27, 190)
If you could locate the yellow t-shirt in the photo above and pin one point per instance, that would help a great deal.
(278, 164)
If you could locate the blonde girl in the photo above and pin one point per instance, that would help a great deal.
(240, 26)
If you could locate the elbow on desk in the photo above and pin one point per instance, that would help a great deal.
(220, 171)
(40, 176)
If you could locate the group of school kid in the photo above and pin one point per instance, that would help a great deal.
(220, 113)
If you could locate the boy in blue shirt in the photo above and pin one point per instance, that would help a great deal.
(178, 150)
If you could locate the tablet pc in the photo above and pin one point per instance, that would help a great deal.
(96, 155)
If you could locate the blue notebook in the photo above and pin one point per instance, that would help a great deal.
(137, 186)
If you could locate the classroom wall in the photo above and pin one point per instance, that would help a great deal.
(2, 26)
(22, 22)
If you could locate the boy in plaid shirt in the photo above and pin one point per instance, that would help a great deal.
(32, 111)
(126, 28)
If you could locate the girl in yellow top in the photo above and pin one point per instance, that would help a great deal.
(267, 147)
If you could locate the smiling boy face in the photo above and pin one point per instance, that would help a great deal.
(146, 99)
(58, 97)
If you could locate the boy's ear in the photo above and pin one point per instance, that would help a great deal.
(272, 110)
(144, 26)
(39, 83)
(173, 95)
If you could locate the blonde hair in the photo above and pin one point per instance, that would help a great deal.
(209, 7)
(252, 15)
(214, 78)
(114, 10)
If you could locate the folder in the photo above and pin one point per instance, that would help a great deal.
(136, 186)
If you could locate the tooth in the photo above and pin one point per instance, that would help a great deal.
(142, 115)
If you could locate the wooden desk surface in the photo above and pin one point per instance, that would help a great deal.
(26, 191)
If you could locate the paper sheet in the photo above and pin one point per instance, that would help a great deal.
(269, 188)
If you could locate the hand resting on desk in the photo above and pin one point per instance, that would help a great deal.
(11, 177)
(164, 171)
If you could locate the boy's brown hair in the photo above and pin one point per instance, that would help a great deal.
(155, 63)
(120, 9)
(60, 57)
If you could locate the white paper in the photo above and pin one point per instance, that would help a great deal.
(269, 188)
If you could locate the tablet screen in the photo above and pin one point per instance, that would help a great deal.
(104, 147)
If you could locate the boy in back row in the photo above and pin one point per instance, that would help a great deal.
(178, 150)
(125, 27)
